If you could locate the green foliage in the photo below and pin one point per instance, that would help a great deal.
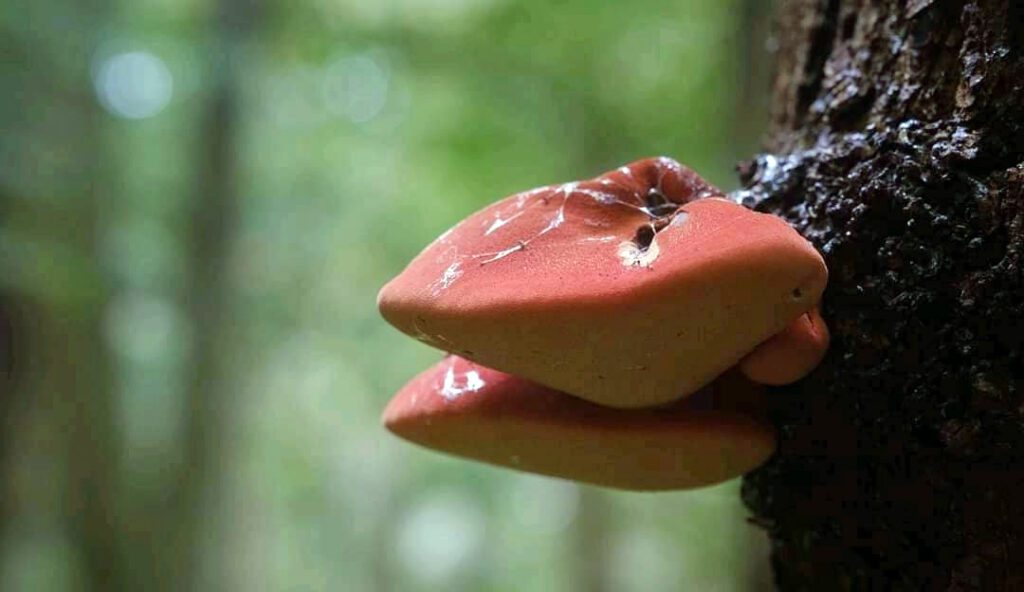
(361, 129)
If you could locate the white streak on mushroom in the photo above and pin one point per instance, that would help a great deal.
(492, 257)
(556, 221)
(499, 222)
(448, 277)
(670, 164)
(599, 196)
(567, 188)
(444, 235)
(633, 256)
(599, 239)
(452, 388)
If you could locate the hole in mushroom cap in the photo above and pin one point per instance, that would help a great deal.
(642, 249)
(645, 234)
(657, 204)
(644, 237)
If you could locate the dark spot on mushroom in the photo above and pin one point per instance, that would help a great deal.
(797, 293)
(657, 204)
(644, 236)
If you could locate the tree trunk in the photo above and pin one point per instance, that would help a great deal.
(59, 438)
(196, 559)
(896, 146)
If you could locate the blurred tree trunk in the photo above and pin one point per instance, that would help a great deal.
(84, 381)
(590, 533)
(195, 561)
(59, 441)
(897, 148)
(751, 37)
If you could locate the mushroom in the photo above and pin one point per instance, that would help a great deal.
(790, 354)
(467, 410)
(632, 289)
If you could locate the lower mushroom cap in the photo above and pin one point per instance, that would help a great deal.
(790, 354)
(471, 411)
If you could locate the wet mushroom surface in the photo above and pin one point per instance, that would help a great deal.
(616, 331)
(632, 289)
(471, 411)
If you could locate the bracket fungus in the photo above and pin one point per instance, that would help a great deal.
(790, 354)
(612, 331)
(632, 289)
(475, 412)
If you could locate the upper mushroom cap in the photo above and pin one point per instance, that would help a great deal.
(620, 290)
(467, 410)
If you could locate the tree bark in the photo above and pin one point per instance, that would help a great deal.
(896, 147)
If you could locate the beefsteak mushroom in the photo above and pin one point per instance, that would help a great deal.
(790, 354)
(615, 331)
(467, 410)
(632, 289)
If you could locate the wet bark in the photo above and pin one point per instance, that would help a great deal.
(896, 146)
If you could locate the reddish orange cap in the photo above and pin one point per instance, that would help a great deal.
(467, 410)
(621, 290)
(791, 354)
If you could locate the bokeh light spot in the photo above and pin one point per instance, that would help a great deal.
(133, 85)
(543, 506)
(356, 87)
(441, 537)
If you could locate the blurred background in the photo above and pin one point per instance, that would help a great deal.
(198, 203)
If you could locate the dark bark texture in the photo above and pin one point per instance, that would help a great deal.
(896, 146)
